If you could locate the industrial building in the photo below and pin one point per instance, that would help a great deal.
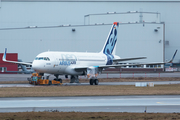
(4, 66)
(147, 28)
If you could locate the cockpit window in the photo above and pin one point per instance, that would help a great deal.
(42, 58)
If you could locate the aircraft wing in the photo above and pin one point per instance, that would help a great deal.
(107, 66)
(82, 68)
(4, 59)
(126, 59)
(25, 72)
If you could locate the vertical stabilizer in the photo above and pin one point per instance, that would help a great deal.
(111, 40)
(114, 51)
(110, 44)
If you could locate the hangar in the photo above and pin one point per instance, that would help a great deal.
(4, 66)
(148, 28)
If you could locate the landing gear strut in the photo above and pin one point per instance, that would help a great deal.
(94, 81)
(57, 78)
(74, 78)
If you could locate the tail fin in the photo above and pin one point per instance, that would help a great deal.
(173, 57)
(109, 46)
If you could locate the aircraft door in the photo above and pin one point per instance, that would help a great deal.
(57, 62)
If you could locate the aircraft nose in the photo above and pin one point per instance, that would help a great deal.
(38, 66)
(35, 66)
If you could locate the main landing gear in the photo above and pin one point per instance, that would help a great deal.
(58, 79)
(94, 81)
(74, 79)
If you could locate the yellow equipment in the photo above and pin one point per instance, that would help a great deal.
(36, 79)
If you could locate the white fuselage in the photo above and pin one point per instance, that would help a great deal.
(64, 62)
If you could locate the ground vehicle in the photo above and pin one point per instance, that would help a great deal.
(37, 79)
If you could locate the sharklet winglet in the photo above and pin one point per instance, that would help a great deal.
(173, 57)
(4, 56)
(16, 62)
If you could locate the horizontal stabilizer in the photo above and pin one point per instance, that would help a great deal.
(126, 59)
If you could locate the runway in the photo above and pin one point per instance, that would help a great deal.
(23, 77)
(152, 104)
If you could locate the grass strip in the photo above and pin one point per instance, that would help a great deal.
(44, 91)
(88, 116)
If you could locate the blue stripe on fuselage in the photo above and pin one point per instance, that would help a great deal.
(109, 59)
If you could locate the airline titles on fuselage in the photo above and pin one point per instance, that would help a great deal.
(71, 59)
(67, 59)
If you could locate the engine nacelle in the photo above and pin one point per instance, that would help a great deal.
(70, 71)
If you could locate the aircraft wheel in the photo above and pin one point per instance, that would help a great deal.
(91, 81)
(50, 82)
(60, 80)
(96, 81)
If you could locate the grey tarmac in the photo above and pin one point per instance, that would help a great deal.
(100, 83)
(23, 77)
(151, 103)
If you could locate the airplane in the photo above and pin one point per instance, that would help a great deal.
(79, 63)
